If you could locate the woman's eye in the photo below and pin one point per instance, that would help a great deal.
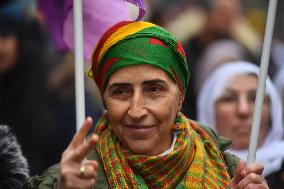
(120, 93)
(155, 89)
(227, 99)
(252, 98)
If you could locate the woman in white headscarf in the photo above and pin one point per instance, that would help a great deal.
(226, 103)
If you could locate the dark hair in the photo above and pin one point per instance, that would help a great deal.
(33, 43)
(206, 4)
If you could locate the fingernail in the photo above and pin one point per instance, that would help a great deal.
(243, 173)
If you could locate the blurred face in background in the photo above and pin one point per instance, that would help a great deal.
(235, 108)
(8, 53)
(222, 15)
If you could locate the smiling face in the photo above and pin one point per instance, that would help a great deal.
(142, 102)
(234, 111)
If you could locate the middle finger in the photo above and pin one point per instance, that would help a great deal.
(252, 178)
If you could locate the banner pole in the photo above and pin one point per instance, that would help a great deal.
(262, 80)
(79, 63)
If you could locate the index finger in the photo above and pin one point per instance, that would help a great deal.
(82, 151)
(79, 137)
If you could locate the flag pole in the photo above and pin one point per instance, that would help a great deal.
(79, 63)
(262, 80)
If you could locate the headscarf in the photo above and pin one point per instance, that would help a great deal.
(132, 43)
(269, 153)
(214, 55)
(195, 161)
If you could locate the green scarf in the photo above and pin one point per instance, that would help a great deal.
(195, 161)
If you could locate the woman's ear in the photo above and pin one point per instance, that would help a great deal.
(180, 102)
(104, 104)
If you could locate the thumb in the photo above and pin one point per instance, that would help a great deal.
(238, 176)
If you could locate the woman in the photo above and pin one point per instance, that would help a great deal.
(226, 103)
(24, 96)
(143, 141)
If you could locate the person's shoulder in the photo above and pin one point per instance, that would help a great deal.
(223, 144)
(47, 180)
(50, 177)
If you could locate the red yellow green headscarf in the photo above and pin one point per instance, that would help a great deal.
(195, 161)
(131, 43)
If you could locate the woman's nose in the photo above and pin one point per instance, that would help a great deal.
(244, 107)
(137, 109)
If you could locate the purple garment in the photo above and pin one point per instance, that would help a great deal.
(98, 16)
(140, 4)
(52, 11)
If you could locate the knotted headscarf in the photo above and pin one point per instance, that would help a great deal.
(132, 43)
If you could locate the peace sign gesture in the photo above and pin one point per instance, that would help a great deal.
(75, 171)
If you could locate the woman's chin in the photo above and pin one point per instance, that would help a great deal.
(241, 146)
(143, 147)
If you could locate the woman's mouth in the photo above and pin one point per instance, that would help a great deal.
(138, 131)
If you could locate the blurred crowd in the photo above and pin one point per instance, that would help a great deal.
(214, 32)
(37, 87)
(223, 43)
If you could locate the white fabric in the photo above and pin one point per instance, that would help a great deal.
(277, 53)
(279, 81)
(172, 146)
(214, 87)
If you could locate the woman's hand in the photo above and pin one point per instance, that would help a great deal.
(75, 172)
(248, 177)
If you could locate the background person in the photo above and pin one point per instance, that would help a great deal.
(226, 104)
(24, 98)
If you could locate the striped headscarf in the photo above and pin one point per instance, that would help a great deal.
(131, 43)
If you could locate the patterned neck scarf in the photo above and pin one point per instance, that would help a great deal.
(195, 161)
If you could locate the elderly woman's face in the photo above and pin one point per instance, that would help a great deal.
(234, 111)
(142, 102)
